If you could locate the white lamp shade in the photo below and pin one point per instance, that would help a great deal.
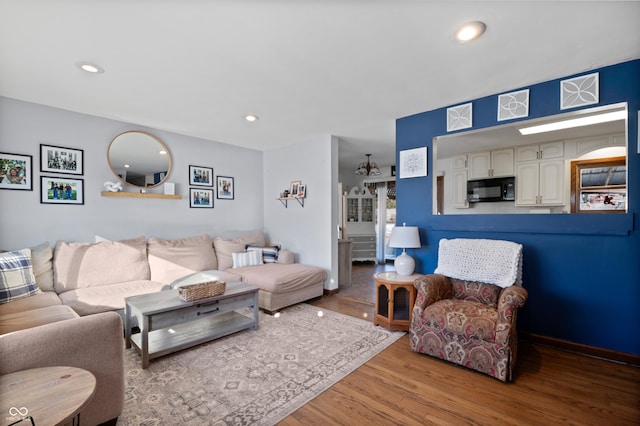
(404, 237)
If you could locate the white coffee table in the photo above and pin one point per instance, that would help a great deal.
(169, 324)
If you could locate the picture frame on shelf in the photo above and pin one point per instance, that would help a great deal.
(16, 171)
(302, 191)
(59, 159)
(200, 176)
(225, 188)
(200, 198)
(293, 187)
(61, 190)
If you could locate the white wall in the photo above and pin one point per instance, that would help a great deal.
(310, 231)
(24, 221)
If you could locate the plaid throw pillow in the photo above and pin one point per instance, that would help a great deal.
(16, 276)
(269, 253)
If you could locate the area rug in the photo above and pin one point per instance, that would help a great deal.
(252, 377)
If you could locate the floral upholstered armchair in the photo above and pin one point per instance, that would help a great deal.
(466, 311)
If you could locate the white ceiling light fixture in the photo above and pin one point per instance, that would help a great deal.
(369, 168)
(90, 67)
(470, 31)
(574, 122)
(251, 118)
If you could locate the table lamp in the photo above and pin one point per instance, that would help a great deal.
(404, 237)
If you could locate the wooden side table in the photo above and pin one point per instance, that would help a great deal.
(50, 395)
(395, 296)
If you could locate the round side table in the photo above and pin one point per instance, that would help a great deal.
(50, 395)
(395, 296)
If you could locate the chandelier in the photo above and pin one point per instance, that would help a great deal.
(369, 168)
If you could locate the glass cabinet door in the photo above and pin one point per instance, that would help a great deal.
(367, 209)
(352, 210)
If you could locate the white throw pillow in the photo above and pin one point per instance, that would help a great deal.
(250, 258)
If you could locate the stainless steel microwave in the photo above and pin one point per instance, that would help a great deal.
(491, 190)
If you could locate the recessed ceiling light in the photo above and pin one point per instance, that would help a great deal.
(90, 68)
(470, 31)
(251, 117)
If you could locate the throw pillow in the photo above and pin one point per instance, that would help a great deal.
(16, 276)
(250, 258)
(269, 253)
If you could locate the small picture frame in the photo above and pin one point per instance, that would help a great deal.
(61, 190)
(16, 171)
(200, 176)
(200, 198)
(302, 191)
(293, 188)
(58, 159)
(225, 187)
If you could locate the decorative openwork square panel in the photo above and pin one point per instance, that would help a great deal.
(459, 117)
(513, 105)
(580, 91)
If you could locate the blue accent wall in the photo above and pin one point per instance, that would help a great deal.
(582, 271)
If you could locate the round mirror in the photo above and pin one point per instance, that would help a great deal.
(139, 159)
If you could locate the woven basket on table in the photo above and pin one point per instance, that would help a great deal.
(201, 290)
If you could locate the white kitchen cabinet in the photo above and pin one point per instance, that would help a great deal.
(459, 162)
(544, 151)
(483, 165)
(460, 189)
(540, 183)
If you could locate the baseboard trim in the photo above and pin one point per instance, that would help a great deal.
(580, 348)
(326, 292)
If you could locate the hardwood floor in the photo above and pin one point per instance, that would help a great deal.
(401, 387)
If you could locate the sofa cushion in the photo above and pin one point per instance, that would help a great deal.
(16, 276)
(35, 317)
(92, 300)
(278, 278)
(42, 263)
(253, 238)
(476, 292)
(269, 253)
(466, 319)
(224, 252)
(226, 248)
(81, 265)
(172, 259)
(38, 300)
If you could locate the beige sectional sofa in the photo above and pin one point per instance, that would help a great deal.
(72, 319)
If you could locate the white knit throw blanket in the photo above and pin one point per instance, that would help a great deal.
(489, 261)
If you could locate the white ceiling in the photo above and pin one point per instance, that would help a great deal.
(306, 68)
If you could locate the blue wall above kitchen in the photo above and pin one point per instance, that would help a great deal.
(582, 271)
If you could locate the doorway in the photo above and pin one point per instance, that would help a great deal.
(385, 217)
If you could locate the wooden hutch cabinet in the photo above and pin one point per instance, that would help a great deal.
(359, 224)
